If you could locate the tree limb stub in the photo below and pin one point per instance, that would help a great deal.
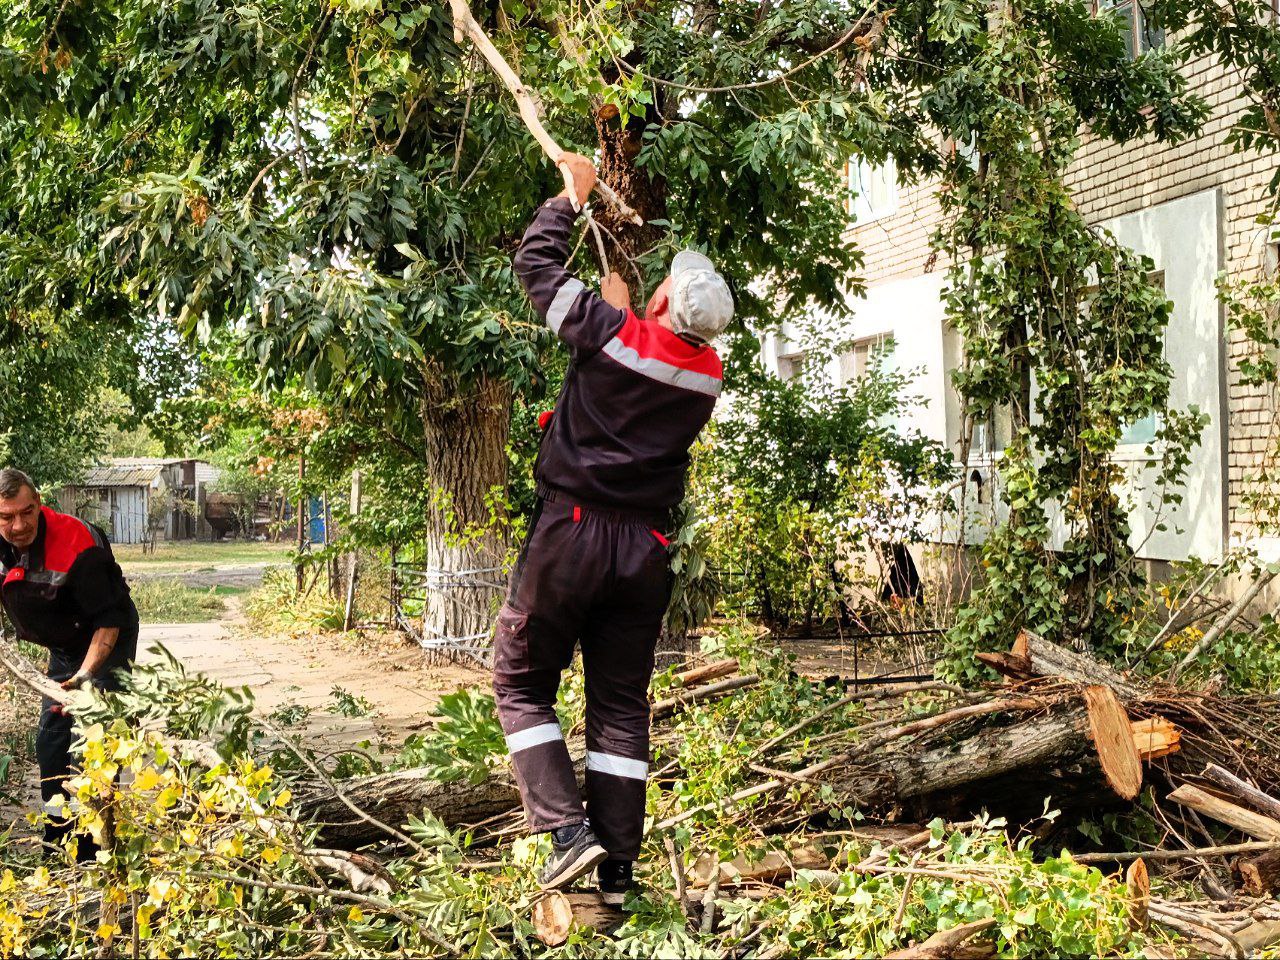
(464, 24)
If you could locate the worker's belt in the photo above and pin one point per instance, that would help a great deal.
(654, 519)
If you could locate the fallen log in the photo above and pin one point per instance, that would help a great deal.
(951, 944)
(394, 797)
(1048, 659)
(1113, 741)
(1224, 811)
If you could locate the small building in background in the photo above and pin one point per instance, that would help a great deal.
(142, 499)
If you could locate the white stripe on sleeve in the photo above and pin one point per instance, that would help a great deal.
(562, 302)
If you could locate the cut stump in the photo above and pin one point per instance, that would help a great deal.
(1138, 882)
(556, 914)
(1113, 739)
(1260, 876)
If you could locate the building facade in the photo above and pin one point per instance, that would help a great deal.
(1193, 208)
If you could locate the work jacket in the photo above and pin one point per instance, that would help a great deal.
(65, 586)
(635, 395)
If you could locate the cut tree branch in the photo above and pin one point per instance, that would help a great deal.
(464, 24)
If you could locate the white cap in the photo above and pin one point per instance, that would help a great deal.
(701, 304)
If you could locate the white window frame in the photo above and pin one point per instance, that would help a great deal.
(791, 365)
(874, 344)
(1137, 449)
(864, 180)
(1139, 41)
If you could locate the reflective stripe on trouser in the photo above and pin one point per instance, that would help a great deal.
(600, 581)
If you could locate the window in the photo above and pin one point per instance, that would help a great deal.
(1142, 431)
(791, 365)
(965, 150)
(992, 435)
(873, 189)
(1139, 34)
(859, 358)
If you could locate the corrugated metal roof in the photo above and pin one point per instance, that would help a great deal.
(133, 471)
(122, 475)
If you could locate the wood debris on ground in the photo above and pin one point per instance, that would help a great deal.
(921, 764)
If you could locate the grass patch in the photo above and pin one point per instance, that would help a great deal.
(192, 555)
(168, 601)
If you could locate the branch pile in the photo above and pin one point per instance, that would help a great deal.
(892, 800)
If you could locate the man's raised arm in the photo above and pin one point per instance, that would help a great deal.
(577, 315)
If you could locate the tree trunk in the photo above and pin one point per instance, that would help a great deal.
(1003, 767)
(619, 147)
(465, 433)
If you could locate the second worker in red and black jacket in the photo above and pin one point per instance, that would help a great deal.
(59, 592)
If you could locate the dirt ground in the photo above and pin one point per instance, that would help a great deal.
(387, 672)
(391, 689)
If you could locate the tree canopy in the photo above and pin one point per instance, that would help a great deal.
(331, 191)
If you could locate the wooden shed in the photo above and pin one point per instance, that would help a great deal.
(121, 495)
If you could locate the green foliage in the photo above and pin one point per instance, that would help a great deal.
(289, 714)
(1054, 907)
(696, 586)
(466, 743)
(797, 473)
(276, 606)
(169, 601)
(347, 704)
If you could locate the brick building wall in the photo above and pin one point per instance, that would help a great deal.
(1110, 180)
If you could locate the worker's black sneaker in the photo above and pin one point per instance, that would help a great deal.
(615, 881)
(574, 851)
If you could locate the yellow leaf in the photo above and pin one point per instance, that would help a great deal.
(146, 779)
(107, 930)
(284, 797)
(271, 854)
(355, 915)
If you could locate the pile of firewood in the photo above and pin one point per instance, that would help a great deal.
(1060, 725)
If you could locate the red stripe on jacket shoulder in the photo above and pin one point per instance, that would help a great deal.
(654, 341)
(65, 538)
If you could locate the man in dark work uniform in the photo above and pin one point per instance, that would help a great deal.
(62, 588)
(594, 571)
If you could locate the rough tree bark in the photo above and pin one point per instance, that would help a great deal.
(465, 432)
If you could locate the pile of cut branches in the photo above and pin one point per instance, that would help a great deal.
(788, 816)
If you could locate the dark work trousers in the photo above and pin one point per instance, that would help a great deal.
(53, 741)
(599, 578)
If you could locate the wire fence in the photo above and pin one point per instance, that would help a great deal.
(421, 597)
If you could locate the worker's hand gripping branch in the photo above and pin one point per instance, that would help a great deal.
(579, 177)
